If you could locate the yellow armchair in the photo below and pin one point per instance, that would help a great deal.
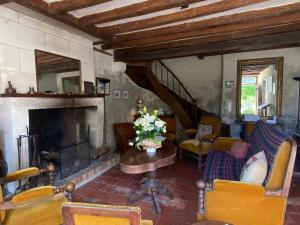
(200, 146)
(37, 206)
(242, 203)
(96, 214)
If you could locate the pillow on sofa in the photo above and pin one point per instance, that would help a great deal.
(203, 130)
(239, 149)
(255, 169)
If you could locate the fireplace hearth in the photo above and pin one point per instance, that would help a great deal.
(62, 137)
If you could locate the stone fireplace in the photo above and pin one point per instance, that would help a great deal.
(17, 114)
(62, 136)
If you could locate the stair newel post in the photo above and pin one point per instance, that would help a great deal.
(167, 79)
(161, 74)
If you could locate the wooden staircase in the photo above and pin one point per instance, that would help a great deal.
(158, 78)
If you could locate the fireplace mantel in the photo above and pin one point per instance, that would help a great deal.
(40, 95)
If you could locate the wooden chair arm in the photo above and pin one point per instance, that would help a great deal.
(29, 172)
(224, 143)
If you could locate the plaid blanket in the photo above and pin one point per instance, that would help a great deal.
(222, 165)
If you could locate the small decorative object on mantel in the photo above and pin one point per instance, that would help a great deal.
(103, 85)
(139, 106)
(10, 89)
(31, 90)
(88, 88)
(148, 129)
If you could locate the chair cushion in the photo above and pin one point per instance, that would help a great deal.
(255, 169)
(203, 130)
(239, 149)
(222, 165)
(267, 138)
(192, 145)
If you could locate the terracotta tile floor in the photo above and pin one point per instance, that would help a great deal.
(113, 186)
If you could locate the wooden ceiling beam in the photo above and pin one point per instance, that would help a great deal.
(176, 16)
(258, 18)
(70, 5)
(274, 41)
(42, 7)
(4, 1)
(243, 33)
(132, 10)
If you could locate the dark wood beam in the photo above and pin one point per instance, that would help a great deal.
(132, 10)
(70, 5)
(205, 27)
(42, 7)
(274, 41)
(176, 16)
(4, 1)
(243, 33)
(102, 51)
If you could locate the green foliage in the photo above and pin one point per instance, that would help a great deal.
(248, 97)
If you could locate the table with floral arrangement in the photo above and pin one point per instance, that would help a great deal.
(149, 128)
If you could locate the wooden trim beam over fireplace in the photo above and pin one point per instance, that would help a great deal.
(40, 95)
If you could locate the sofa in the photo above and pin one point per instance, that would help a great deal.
(222, 196)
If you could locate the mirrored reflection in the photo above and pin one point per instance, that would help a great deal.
(57, 74)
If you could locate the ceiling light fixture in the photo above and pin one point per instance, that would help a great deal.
(184, 6)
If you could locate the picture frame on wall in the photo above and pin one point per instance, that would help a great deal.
(116, 94)
(103, 86)
(125, 94)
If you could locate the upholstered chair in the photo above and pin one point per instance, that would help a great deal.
(36, 206)
(222, 196)
(124, 132)
(171, 128)
(201, 144)
(96, 214)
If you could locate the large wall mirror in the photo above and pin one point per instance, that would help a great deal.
(57, 74)
(259, 87)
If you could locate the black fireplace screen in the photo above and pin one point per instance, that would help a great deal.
(62, 138)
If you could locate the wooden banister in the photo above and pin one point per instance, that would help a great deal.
(168, 81)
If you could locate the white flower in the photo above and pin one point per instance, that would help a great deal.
(159, 123)
(130, 143)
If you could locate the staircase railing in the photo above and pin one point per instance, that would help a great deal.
(175, 87)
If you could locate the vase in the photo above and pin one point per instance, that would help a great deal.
(151, 151)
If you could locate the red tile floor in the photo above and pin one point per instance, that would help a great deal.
(113, 186)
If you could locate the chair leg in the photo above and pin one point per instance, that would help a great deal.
(179, 153)
(200, 161)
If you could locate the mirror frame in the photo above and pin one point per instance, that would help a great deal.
(278, 61)
(38, 72)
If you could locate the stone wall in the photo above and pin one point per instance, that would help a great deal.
(121, 110)
(23, 31)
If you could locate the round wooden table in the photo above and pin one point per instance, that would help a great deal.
(137, 162)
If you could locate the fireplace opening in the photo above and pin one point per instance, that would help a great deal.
(62, 136)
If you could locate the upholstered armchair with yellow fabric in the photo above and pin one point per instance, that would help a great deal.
(224, 197)
(202, 142)
(36, 206)
(96, 214)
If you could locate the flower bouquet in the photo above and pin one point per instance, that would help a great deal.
(148, 130)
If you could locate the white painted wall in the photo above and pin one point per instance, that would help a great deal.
(202, 77)
(291, 68)
(22, 34)
(205, 79)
